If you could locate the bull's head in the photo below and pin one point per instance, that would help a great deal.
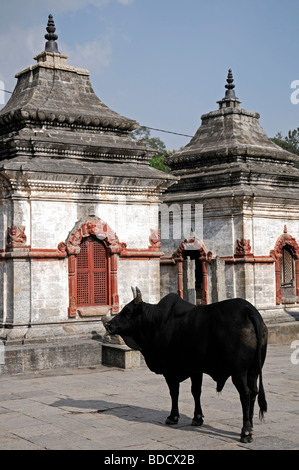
(124, 323)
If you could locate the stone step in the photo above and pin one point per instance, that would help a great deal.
(17, 359)
(285, 332)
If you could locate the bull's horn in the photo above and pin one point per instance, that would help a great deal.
(134, 292)
(138, 298)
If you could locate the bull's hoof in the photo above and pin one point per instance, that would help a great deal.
(197, 421)
(246, 437)
(170, 420)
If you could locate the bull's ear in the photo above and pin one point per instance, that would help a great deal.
(138, 298)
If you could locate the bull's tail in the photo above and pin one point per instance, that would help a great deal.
(259, 326)
(261, 398)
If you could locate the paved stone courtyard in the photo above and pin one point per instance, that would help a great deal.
(113, 409)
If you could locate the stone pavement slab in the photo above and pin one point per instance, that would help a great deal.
(102, 408)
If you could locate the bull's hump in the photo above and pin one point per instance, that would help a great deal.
(172, 297)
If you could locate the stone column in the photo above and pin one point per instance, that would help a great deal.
(297, 277)
(18, 296)
(189, 280)
(277, 282)
(218, 279)
(180, 277)
(114, 289)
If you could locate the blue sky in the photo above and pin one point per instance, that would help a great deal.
(164, 62)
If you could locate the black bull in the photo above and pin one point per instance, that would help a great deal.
(179, 340)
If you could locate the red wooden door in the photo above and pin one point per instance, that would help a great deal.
(92, 273)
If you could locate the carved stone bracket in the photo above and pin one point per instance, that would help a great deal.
(243, 248)
(16, 238)
(155, 240)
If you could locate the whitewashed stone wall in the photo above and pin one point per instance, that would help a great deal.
(169, 281)
(265, 290)
(51, 223)
(142, 273)
(219, 235)
(267, 231)
(224, 222)
(49, 292)
(34, 291)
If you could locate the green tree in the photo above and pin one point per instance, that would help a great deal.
(143, 134)
(289, 142)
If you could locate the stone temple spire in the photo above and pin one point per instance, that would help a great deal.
(230, 92)
(230, 100)
(51, 44)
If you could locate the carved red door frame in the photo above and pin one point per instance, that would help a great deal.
(94, 226)
(285, 240)
(93, 273)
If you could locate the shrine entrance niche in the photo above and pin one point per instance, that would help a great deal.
(286, 254)
(287, 274)
(192, 277)
(93, 250)
(192, 258)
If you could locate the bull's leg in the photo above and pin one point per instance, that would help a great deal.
(252, 384)
(196, 382)
(174, 387)
(240, 382)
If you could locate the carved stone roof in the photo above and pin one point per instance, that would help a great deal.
(51, 91)
(231, 148)
(228, 132)
(54, 122)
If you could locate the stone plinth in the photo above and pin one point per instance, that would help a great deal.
(114, 355)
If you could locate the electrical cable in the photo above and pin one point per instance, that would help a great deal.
(147, 127)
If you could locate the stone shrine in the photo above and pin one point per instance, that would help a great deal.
(78, 206)
(247, 189)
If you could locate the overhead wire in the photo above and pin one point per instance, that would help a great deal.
(167, 132)
(147, 127)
